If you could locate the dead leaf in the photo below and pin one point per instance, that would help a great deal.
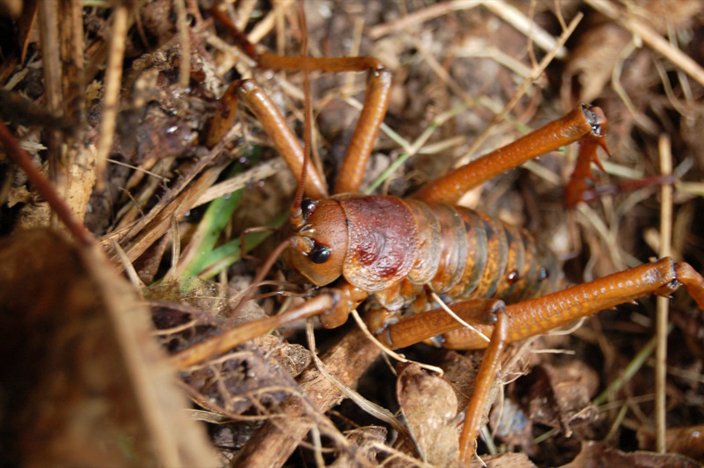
(589, 68)
(429, 405)
(600, 47)
(461, 371)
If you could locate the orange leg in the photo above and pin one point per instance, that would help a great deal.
(332, 305)
(274, 124)
(577, 190)
(486, 377)
(535, 316)
(577, 186)
(376, 103)
(592, 193)
(583, 123)
(480, 313)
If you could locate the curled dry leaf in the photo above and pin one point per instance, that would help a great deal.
(600, 46)
(429, 405)
(83, 382)
(461, 371)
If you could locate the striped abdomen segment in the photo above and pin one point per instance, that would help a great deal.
(471, 255)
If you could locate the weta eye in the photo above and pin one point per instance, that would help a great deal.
(319, 253)
(307, 207)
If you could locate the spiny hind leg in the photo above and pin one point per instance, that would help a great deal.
(539, 315)
(535, 316)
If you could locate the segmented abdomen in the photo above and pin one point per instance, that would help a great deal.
(465, 254)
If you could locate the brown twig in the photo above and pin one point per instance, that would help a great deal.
(51, 59)
(184, 37)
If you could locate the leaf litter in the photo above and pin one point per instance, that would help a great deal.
(262, 399)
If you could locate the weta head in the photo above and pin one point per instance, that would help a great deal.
(370, 240)
(319, 243)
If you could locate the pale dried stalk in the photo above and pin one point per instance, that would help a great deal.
(527, 26)
(113, 79)
(250, 177)
(421, 16)
(665, 152)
